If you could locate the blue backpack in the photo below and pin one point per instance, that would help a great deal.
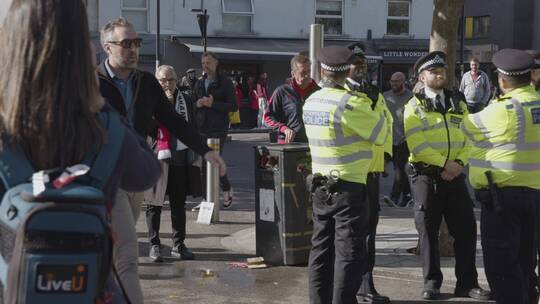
(56, 246)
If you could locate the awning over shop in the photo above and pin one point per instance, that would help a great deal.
(260, 49)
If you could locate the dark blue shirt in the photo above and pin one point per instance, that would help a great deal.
(125, 88)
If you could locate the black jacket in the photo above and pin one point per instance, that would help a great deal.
(285, 109)
(149, 101)
(214, 121)
(183, 157)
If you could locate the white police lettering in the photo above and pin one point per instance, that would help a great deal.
(535, 115)
(455, 119)
(316, 118)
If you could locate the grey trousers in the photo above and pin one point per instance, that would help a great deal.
(125, 213)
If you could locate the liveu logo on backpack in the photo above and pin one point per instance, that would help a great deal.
(56, 245)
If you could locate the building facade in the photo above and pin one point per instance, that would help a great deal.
(491, 25)
(260, 35)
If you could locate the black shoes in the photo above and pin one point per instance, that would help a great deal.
(432, 294)
(180, 251)
(373, 298)
(155, 254)
(475, 293)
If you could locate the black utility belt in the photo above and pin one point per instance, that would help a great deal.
(331, 184)
(425, 169)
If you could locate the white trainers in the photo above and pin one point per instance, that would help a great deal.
(389, 201)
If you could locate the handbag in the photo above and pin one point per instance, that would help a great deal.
(234, 117)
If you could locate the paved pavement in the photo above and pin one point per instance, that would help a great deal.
(398, 274)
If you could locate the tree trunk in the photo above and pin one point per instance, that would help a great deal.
(444, 32)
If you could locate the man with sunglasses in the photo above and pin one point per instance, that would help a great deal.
(439, 151)
(137, 96)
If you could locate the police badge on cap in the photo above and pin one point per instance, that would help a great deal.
(436, 59)
(335, 58)
(512, 62)
(358, 49)
(536, 57)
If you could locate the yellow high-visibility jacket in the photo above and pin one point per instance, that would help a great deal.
(434, 138)
(342, 128)
(506, 140)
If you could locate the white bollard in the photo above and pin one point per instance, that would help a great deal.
(212, 181)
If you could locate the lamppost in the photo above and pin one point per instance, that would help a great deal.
(202, 20)
(462, 40)
(157, 34)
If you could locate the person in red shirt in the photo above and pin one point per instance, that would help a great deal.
(262, 97)
(284, 112)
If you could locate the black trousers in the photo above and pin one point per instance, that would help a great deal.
(508, 244)
(433, 199)
(401, 181)
(223, 180)
(367, 286)
(340, 226)
(176, 188)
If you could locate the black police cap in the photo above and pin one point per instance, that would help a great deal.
(358, 49)
(536, 57)
(513, 62)
(335, 58)
(436, 59)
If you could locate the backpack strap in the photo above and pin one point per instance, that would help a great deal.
(14, 166)
(105, 161)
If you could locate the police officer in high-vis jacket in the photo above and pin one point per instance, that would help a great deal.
(505, 173)
(358, 83)
(439, 150)
(341, 128)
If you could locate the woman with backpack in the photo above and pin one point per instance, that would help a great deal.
(52, 112)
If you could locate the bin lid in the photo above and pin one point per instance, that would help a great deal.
(287, 147)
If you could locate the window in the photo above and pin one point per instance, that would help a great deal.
(136, 12)
(330, 14)
(237, 16)
(397, 23)
(92, 13)
(477, 27)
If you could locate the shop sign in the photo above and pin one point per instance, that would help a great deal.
(413, 54)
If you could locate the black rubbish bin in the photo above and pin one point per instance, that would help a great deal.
(283, 212)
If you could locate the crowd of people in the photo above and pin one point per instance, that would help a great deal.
(53, 93)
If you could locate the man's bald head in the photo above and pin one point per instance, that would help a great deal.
(397, 82)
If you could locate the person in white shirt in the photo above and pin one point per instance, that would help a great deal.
(476, 87)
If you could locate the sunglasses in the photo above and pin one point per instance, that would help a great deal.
(128, 43)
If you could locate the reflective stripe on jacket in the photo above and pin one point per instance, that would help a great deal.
(342, 128)
(506, 140)
(377, 163)
(432, 137)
